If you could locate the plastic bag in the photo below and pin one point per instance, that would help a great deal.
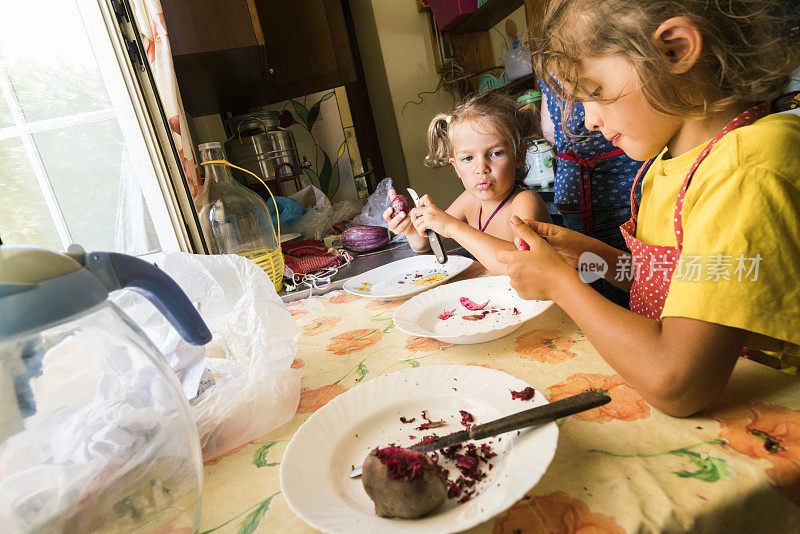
(518, 61)
(316, 223)
(372, 213)
(249, 387)
(290, 211)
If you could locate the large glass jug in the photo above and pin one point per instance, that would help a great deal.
(235, 219)
(95, 433)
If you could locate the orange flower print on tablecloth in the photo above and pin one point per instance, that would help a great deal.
(312, 400)
(765, 431)
(554, 513)
(354, 341)
(298, 363)
(297, 312)
(321, 324)
(384, 304)
(343, 298)
(626, 404)
(425, 344)
(546, 346)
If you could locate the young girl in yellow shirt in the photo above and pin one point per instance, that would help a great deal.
(715, 264)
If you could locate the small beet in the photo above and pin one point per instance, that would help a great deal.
(473, 306)
(403, 483)
(400, 203)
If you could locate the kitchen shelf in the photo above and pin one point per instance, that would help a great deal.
(526, 82)
(488, 15)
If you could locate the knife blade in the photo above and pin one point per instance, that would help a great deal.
(434, 238)
(537, 416)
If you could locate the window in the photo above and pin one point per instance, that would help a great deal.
(79, 162)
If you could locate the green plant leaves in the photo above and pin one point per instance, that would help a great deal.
(361, 371)
(308, 117)
(412, 362)
(260, 456)
(254, 518)
(710, 468)
(313, 177)
(302, 112)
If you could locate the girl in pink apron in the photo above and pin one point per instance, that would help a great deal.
(684, 84)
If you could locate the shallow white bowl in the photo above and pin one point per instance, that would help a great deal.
(420, 315)
(338, 436)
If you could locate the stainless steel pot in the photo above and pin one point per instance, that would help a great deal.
(260, 145)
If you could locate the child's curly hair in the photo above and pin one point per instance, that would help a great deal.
(750, 48)
(517, 125)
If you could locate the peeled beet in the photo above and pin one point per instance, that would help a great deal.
(400, 203)
(403, 483)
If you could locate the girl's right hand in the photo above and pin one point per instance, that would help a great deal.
(400, 224)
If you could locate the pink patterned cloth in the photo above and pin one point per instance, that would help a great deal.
(150, 19)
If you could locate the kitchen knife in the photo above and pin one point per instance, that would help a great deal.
(433, 237)
(537, 416)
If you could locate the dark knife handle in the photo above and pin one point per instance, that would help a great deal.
(436, 246)
(541, 414)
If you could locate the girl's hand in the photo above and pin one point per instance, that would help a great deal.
(536, 272)
(569, 243)
(400, 224)
(427, 216)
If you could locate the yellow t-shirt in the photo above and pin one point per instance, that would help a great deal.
(740, 264)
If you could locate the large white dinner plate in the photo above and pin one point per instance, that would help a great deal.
(338, 436)
(404, 278)
(420, 315)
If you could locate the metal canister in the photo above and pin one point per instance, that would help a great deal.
(260, 145)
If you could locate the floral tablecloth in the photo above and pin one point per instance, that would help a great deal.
(624, 467)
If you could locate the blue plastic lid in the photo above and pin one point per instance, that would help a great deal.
(39, 287)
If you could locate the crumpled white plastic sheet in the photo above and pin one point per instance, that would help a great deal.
(107, 426)
(254, 389)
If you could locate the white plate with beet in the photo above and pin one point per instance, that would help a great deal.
(338, 436)
(404, 278)
(471, 311)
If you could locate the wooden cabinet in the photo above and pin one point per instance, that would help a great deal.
(238, 54)
(307, 46)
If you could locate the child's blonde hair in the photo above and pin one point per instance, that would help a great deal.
(516, 125)
(749, 49)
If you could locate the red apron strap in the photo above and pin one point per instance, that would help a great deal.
(634, 203)
(743, 119)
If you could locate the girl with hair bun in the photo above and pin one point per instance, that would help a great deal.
(485, 140)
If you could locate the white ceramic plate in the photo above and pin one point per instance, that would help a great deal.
(420, 315)
(404, 278)
(338, 436)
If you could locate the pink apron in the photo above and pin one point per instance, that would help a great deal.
(655, 264)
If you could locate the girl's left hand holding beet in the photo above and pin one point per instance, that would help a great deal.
(536, 273)
(427, 216)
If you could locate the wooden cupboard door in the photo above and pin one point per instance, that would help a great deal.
(198, 26)
(307, 46)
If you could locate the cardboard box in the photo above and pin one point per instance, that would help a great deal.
(448, 14)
